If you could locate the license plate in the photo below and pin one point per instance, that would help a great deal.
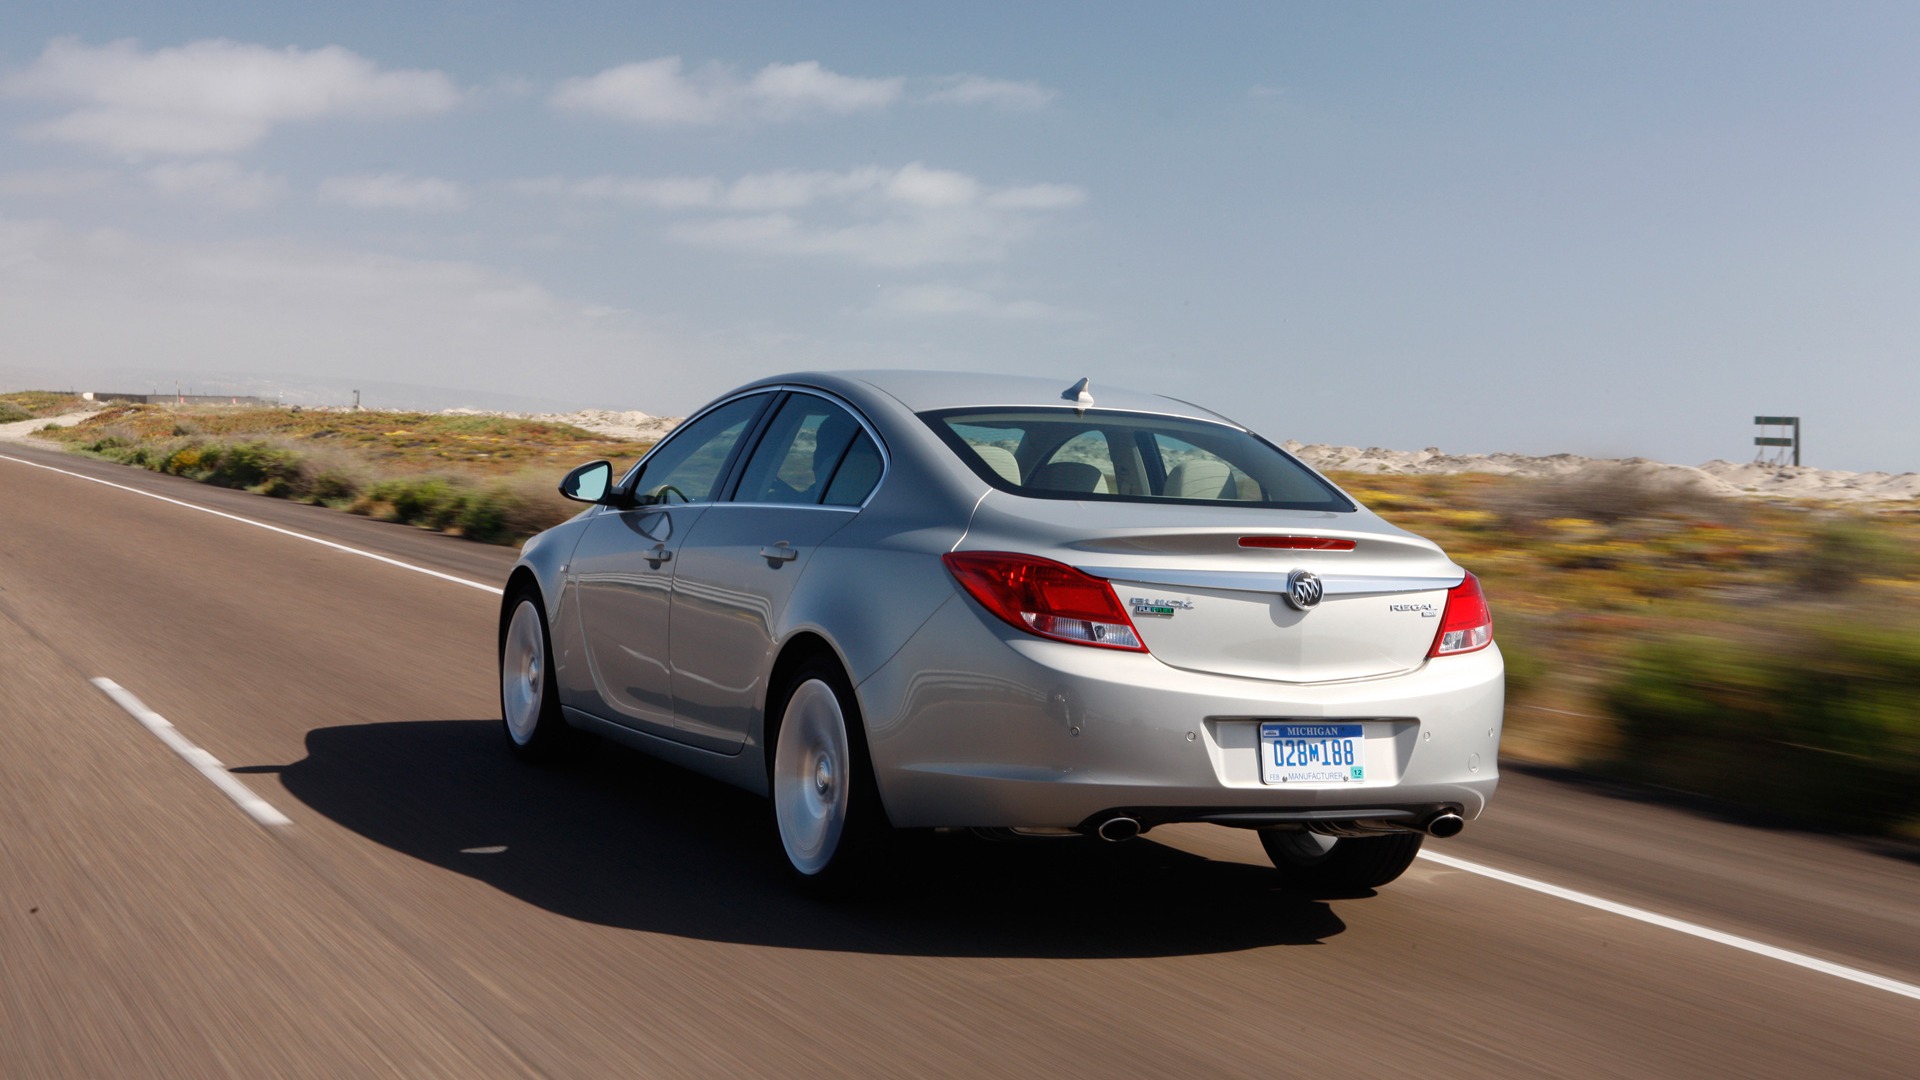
(1312, 753)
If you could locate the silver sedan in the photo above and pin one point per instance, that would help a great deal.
(909, 600)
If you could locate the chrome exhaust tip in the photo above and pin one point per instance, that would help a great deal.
(1444, 824)
(1115, 829)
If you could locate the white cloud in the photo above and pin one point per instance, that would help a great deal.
(918, 185)
(1038, 197)
(649, 92)
(911, 216)
(915, 240)
(782, 189)
(666, 193)
(952, 300)
(791, 89)
(300, 309)
(393, 191)
(210, 97)
(659, 93)
(787, 189)
(221, 183)
(997, 93)
(53, 182)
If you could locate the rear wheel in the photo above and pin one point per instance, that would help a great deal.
(826, 809)
(1313, 863)
(529, 693)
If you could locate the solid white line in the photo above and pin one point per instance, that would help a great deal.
(483, 587)
(256, 807)
(1825, 967)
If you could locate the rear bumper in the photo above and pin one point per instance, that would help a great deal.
(973, 723)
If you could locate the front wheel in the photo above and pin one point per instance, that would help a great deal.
(1312, 863)
(529, 693)
(826, 808)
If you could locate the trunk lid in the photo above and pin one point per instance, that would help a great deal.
(1204, 600)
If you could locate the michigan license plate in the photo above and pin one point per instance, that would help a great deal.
(1312, 753)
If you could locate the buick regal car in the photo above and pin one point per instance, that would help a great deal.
(909, 600)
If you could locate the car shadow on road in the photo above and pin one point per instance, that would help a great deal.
(617, 838)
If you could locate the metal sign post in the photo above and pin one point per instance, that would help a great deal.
(1788, 445)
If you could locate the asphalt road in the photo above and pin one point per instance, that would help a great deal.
(435, 908)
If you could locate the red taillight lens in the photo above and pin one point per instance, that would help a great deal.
(1466, 625)
(1046, 598)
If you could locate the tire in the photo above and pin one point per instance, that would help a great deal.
(1315, 864)
(529, 693)
(826, 809)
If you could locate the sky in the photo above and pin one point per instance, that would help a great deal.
(1611, 229)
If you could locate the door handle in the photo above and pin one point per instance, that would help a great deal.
(778, 553)
(658, 555)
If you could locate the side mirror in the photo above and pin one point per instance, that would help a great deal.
(590, 483)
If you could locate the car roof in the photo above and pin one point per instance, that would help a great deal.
(924, 391)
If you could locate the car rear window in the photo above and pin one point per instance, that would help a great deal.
(1130, 457)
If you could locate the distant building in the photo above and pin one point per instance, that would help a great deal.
(176, 399)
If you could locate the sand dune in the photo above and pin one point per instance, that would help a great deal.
(1724, 478)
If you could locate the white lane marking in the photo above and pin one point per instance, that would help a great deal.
(1787, 956)
(256, 807)
(483, 587)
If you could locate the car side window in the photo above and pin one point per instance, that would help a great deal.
(689, 466)
(796, 461)
(859, 471)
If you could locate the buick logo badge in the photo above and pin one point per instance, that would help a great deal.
(1304, 589)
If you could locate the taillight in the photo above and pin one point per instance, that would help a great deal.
(1466, 625)
(1297, 543)
(1046, 598)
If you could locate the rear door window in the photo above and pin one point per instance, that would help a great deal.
(857, 475)
(814, 452)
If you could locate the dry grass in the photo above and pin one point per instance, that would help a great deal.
(386, 441)
(484, 477)
(33, 404)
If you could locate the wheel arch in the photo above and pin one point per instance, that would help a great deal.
(521, 580)
(795, 652)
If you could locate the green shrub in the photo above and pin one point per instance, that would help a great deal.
(429, 501)
(332, 487)
(119, 447)
(1816, 722)
(1846, 550)
(499, 513)
(253, 465)
(11, 413)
